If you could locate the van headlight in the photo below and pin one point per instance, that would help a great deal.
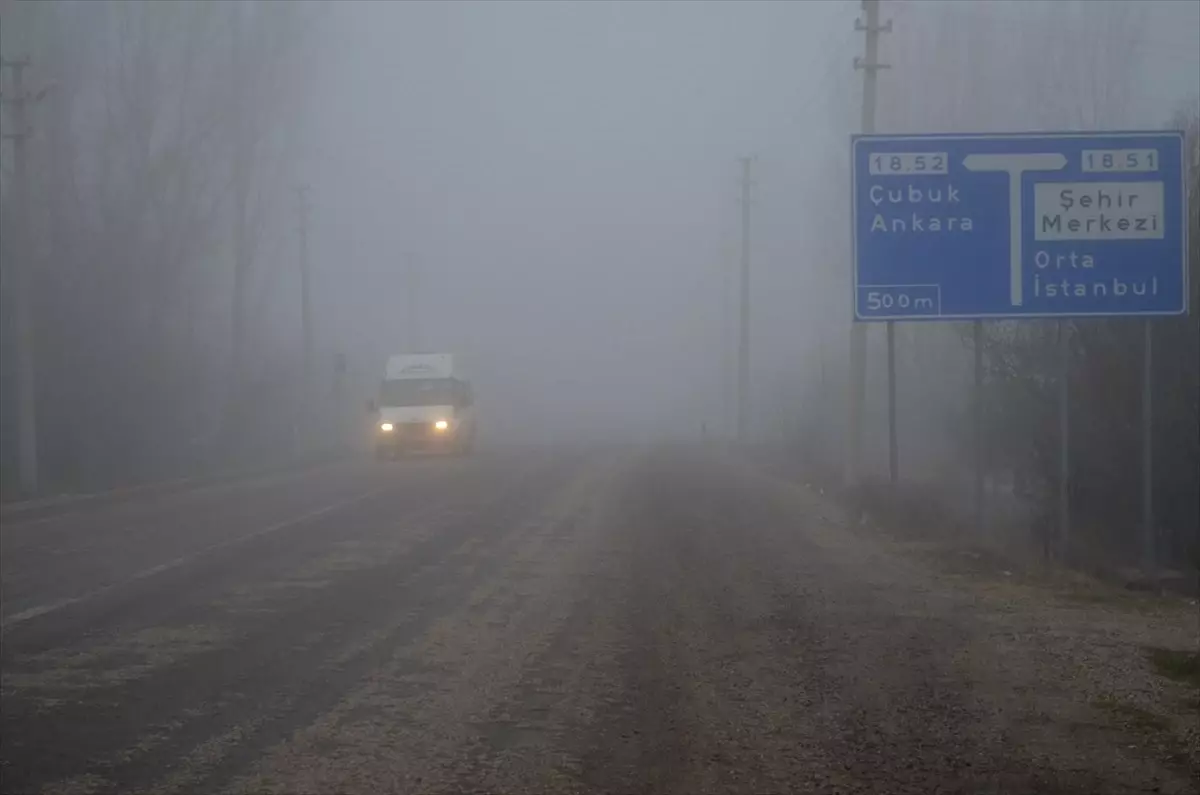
(385, 426)
(441, 425)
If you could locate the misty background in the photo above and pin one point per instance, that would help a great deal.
(559, 183)
(565, 176)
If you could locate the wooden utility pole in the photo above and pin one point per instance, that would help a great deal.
(243, 158)
(727, 379)
(743, 360)
(21, 264)
(306, 319)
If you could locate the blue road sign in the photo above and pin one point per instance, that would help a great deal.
(1006, 226)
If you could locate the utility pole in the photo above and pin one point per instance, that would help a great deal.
(870, 66)
(725, 366)
(412, 277)
(306, 320)
(304, 426)
(743, 362)
(727, 372)
(242, 255)
(22, 282)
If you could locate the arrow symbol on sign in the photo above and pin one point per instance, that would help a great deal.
(1015, 165)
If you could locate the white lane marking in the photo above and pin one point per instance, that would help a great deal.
(42, 610)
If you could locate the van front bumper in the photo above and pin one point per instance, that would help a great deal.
(414, 436)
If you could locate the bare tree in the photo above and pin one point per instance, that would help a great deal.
(136, 161)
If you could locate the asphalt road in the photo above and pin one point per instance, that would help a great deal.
(661, 620)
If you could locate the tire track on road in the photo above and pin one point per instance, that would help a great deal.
(271, 663)
(442, 715)
(434, 581)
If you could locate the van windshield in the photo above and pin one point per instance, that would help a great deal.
(421, 392)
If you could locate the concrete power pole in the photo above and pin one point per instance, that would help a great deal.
(870, 66)
(306, 319)
(303, 428)
(411, 285)
(243, 164)
(22, 283)
(727, 372)
(743, 361)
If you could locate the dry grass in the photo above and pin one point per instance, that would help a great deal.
(1132, 717)
(1182, 666)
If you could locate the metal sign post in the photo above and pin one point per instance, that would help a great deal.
(978, 423)
(893, 444)
(1058, 225)
(1149, 545)
(1064, 441)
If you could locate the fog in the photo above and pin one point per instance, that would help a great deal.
(565, 177)
(554, 185)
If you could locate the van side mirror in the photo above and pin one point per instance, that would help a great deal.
(371, 407)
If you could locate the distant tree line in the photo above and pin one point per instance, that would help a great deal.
(160, 161)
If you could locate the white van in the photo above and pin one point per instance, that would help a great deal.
(425, 404)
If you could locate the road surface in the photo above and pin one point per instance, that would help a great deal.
(659, 620)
